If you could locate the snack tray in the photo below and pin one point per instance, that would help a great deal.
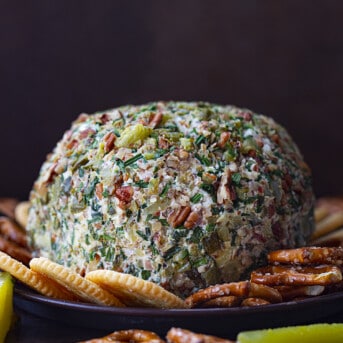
(217, 321)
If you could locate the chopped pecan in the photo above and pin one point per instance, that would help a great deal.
(81, 118)
(99, 188)
(71, 144)
(192, 220)
(86, 133)
(183, 154)
(124, 193)
(178, 217)
(109, 138)
(223, 192)
(224, 137)
(156, 120)
(163, 143)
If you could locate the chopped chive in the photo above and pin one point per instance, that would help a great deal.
(236, 178)
(199, 139)
(196, 198)
(133, 160)
(165, 190)
(171, 252)
(142, 235)
(146, 274)
(203, 160)
(142, 184)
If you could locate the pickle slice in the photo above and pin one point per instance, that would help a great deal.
(6, 304)
(328, 333)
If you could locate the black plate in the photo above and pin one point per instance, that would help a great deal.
(216, 321)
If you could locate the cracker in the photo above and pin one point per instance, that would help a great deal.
(134, 291)
(78, 285)
(21, 213)
(32, 279)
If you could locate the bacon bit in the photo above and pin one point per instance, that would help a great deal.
(124, 194)
(72, 144)
(178, 217)
(224, 137)
(99, 188)
(277, 230)
(109, 138)
(192, 220)
(81, 118)
(156, 120)
(247, 116)
(86, 133)
(252, 153)
(276, 139)
(104, 118)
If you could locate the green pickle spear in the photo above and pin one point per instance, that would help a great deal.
(328, 333)
(6, 304)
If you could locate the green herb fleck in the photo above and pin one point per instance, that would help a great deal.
(196, 198)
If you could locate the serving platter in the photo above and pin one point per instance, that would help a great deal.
(217, 321)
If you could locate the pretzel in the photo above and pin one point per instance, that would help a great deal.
(244, 289)
(176, 335)
(129, 336)
(328, 224)
(10, 230)
(7, 206)
(297, 276)
(225, 301)
(307, 255)
(250, 302)
(294, 292)
(332, 239)
(14, 250)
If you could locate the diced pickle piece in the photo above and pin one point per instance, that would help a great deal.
(328, 333)
(133, 134)
(6, 304)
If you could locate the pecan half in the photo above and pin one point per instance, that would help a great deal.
(178, 217)
(156, 120)
(109, 138)
(192, 220)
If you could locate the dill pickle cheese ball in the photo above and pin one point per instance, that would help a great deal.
(182, 194)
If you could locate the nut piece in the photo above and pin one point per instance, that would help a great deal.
(178, 217)
(224, 137)
(109, 141)
(192, 220)
(156, 119)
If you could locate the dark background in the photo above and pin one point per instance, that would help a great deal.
(60, 58)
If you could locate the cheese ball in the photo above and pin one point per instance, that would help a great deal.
(183, 194)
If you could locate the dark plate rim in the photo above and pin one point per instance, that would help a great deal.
(30, 295)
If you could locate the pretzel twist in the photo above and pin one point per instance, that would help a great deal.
(307, 255)
(297, 276)
(243, 289)
(129, 336)
(176, 335)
